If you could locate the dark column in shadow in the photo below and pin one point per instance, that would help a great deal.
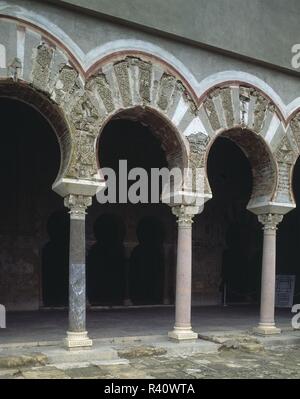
(55, 261)
(106, 262)
(147, 263)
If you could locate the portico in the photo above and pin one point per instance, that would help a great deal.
(162, 111)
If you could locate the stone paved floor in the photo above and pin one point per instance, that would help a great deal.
(52, 325)
(227, 363)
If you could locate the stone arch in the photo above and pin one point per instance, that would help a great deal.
(134, 78)
(23, 92)
(174, 145)
(52, 82)
(52, 64)
(136, 86)
(259, 126)
(263, 165)
(120, 81)
(236, 104)
(290, 149)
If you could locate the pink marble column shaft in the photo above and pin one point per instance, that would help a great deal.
(267, 304)
(182, 329)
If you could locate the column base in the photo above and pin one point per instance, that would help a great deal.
(77, 340)
(266, 329)
(182, 334)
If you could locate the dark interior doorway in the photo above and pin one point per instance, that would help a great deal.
(131, 251)
(230, 177)
(29, 163)
(288, 238)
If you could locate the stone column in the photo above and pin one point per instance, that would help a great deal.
(167, 256)
(266, 324)
(77, 336)
(127, 300)
(183, 329)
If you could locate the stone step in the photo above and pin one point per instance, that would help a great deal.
(96, 353)
(280, 340)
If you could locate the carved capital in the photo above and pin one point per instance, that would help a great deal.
(184, 215)
(77, 205)
(270, 220)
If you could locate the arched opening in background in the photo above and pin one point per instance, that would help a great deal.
(232, 236)
(33, 258)
(132, 247)
(288, 243)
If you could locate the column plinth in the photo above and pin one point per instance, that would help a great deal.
(183, 330)
(266, 324)
(77, 340)
(265, 329)
(77, 336)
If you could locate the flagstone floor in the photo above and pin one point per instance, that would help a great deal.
(51, 325)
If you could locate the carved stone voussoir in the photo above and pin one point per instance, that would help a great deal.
(270, 220)
(77, 205)
(84, 116)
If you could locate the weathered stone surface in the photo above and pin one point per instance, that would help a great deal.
(260, 111)
(285, 152)
(240, 342)
(41, 69)
(227, 364)
(65, 83)
(145, 76)
(90, 372)
(36, 359)
(283, 185)
(141, 351)
(198, 144)
(227, 105)
(44, 373)
(295, 127)
(104, 92)
(243, 346)
(121, 71)
(166, 88)
(212, 114)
